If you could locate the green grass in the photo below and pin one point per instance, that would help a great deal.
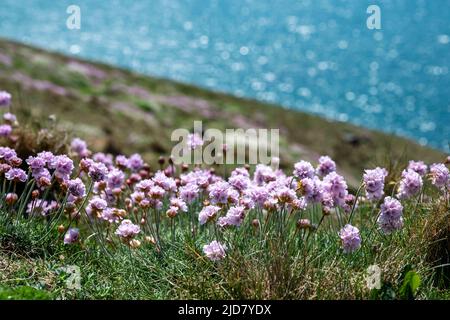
(256, 267)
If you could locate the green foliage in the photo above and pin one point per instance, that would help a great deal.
(24, 293)
(410, 285)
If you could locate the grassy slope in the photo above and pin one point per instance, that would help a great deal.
(121, 111)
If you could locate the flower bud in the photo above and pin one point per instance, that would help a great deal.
(11, 198)
(134, 243)
(150, 239)
(303, 224)
(35, 194)
(61, 229)
(16, 162)
(255, 223)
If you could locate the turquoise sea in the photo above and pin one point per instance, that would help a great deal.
(314, 55)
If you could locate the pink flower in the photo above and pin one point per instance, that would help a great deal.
(215, 251)
(336, 187)
(5, 99)
(418, 166)
(326, 166)
(127, 229)
(439, 175)
(390, 218)
(207, 213)
(79, 147)
(5, 130)
(71, 236)
(194, 141)
(374, 183)
(410, 184)
(303, 169)
(351, 239)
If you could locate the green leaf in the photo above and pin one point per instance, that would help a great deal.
(411, 283)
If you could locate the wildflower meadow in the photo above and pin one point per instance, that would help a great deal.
(161, 230)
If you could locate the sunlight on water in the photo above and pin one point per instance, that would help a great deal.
(317, 56)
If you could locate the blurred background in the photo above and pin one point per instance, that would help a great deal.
(317, 56)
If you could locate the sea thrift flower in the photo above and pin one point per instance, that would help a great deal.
(135, 162)
(239, 182)
(7, 153)
(106, 159)
(286, 195)
(5, 99)
(63, 166)
(164, 182)
(232, 196)
(240, 172)
(374, 183)
(5, 130)
(218, 192)
(77, 188)
(17, 175)
(194, 141)
(390, 218)
(311, 189)
(122, 161)
(418, 166)
(351, 239)
(439, 175)
(388, 225)
(127, 230)
(179, 203)
(9, 118)
(79, 147)
(235, 216)
(326, 166)
(144, 185)
(349, 203)
(115, 178)
(36, 163)
(259, 195)
(42, 177)
(392, 208)
(96, 206)
(336, 187)
(48, 157)
(110, 215)
(98, 171)
(215, 251)
(156, 192)
(71, 236)
(410, 184)
(189, 192)
(207, 213)
(303, 169)
(263, 174)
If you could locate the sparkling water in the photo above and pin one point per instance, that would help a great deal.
(318, 56)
